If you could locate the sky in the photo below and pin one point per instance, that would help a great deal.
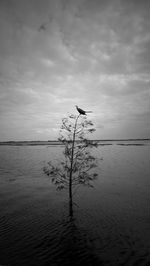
(55, 54)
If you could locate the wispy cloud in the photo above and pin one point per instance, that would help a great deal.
(55, 54)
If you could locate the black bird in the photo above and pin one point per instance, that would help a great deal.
(82, 112)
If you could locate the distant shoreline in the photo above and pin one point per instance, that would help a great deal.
(56, 142)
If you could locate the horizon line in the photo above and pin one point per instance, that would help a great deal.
(119, 139)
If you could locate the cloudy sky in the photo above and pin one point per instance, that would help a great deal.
(55, 54)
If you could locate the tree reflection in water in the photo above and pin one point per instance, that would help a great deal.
(76, 169)
(76, 247)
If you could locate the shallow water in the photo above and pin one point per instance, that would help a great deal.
(111, 221)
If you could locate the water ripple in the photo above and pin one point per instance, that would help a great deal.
(110, 225)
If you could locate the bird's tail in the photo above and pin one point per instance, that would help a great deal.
(88, 111)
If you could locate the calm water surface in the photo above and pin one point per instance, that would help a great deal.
(111, 223)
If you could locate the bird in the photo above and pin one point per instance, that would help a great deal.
(82, 112)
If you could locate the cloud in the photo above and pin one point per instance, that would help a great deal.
(91, 53)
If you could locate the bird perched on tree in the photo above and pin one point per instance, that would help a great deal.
(82, 112)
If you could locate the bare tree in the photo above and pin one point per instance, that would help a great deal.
(77, 167)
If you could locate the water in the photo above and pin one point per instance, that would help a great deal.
(111, 221)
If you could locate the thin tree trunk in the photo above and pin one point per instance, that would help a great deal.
(71, 169)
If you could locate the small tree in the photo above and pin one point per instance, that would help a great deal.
(77, 166)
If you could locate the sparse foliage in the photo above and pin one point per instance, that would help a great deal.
(78, 164)
(78, 161)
